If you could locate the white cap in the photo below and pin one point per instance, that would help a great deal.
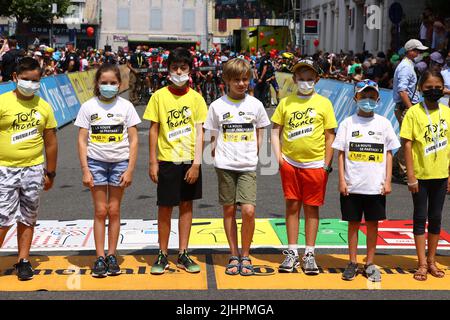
(38, 53)
(415, 44)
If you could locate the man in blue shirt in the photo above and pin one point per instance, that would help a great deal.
(405, 95)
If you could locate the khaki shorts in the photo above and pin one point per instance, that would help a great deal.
(236, 187)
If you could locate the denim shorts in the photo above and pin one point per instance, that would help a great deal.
(107, 173)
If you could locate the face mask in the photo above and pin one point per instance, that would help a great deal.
(28, 88)
(179, 81)
(108, 90)
(418, 58)
(367, 105)
(305, 87)
(433, 94)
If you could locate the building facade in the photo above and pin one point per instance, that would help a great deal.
(168, 23)
(355, 25)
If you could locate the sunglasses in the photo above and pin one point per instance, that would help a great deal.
(366, 83)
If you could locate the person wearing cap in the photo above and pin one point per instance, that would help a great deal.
(436, 60)
(365, 142)
(71, 61)
(305, 123)
(405, 95)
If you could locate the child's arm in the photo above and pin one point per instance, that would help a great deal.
(88, 180)
(51, 154)
(153, 142)
(413, 183)
(387, 188)
(193, 173)
(276, 145)
(259, 138)
(343, 188)
(330, 135)
(127, 177)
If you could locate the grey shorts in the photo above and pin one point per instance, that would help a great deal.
(236, 188)
(20, 189)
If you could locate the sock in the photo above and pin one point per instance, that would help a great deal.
(293, 247)
(309, 249)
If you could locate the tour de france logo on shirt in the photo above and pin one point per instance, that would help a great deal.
(430, 134)
(179, 123)
(301, 124)
(366, 152)
(25, 125)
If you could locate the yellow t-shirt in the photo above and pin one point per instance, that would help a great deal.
(177, 117)
(22, 124)
(304, 123)
(429, 162)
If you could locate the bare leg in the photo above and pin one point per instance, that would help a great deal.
(229, 223)
(185, 223)
(164, 217)
(3, 232)
(292, 220)
(248, 227)
(312, 224)
(99, 195)
(353, 229)
(114, 200)
(24, 240)
(372, 234)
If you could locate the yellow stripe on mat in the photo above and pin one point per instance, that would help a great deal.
(396, 272)
(59, 273)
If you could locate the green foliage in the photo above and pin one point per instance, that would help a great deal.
(34, 11)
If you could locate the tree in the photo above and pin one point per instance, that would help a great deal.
(33, 11)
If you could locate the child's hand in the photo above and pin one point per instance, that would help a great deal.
(343, 189)
(386, 189)
(126, 179)
(213, 152)
(48, 183)
(88, 180)
(413, 184)
(192, 174)
(153, 172)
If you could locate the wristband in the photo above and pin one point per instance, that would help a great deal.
(413, 184)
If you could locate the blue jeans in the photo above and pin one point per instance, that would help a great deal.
(107, 173)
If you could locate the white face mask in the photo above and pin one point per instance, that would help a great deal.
(28, 88)
(305, 87)
(418, 58)
(179, 81)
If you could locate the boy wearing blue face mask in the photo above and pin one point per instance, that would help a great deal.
(365, 142)
(107, 147)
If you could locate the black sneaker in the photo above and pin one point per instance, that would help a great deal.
(350, 272)
(161, 264)
(100, 269)
(24, 270)
(113, 266)
(186, 263)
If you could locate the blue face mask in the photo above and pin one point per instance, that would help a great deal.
(109, 91)
(367, 105)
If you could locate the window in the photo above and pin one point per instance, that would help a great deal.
(123, 17)
(188, 20)
(155, 19)
(222, 25)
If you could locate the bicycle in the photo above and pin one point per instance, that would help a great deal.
(143, 88)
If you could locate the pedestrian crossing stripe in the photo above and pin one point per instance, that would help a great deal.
(73, 273)
(139, 234)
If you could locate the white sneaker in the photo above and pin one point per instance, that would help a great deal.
(309, 264)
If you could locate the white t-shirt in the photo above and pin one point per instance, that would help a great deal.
(365, 142)
(236, 123)
(84, 64)
(108, 128)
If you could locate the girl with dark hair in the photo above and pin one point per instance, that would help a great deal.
(425, 130)
(107, 147)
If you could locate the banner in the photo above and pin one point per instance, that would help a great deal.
(50, 92)
(7, 86)
(72, 103)
(77, 79)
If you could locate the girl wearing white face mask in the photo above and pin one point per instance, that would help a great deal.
(107, 147)
(306, 121)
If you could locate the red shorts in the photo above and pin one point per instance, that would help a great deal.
(305, 185)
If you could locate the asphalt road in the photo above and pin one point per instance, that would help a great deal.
(69, 200)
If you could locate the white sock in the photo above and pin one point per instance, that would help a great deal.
(294, 247)
(309, 249)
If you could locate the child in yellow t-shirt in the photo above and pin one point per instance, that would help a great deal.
(425, 130)
(306, 122)
(177, 114)
(27, 129)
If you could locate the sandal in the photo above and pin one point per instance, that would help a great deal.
(246, 267)
(230, 266)
(421, 273)
(435, 271)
